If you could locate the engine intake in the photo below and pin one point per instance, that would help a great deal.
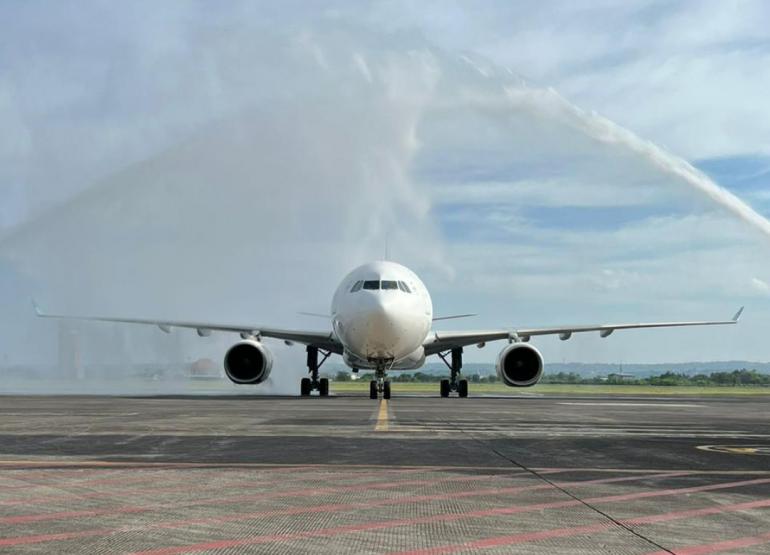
(519, 365)
(248, 362)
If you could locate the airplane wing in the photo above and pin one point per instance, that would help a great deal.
(442, 341)
(323, 339)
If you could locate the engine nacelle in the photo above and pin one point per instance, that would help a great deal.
(248, 362)
(519, 365)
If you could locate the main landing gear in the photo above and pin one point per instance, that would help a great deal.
(314, 383)
(380, 384)
(455, 367)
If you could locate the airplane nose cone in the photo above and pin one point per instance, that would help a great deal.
(381, 319)
(385, 327)
(383, 324)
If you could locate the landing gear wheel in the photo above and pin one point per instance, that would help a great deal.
(323, 387)
(445, 388)
(304, 387)
(462, 388)
(373, 389)
(386, 390)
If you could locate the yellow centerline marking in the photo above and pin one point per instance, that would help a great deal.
(382, 417)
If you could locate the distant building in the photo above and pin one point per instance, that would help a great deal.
(619, 376)
(206, 369)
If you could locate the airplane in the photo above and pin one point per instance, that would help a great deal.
(382, 320)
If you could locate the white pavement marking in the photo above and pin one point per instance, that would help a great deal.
(612, 404)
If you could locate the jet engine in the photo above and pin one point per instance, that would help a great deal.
(519, 365)
(248, 362)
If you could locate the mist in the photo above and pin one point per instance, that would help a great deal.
(602, 129)
(233, 170)
(247, 218)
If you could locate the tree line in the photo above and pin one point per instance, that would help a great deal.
(736, 377)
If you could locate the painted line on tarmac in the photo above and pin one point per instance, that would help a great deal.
(382, 417)
(118, 476)
(737, 449)
(180, 486)
(53, 464)
(625, 404)
(540, 470)
(327, 508)
(53, 467)
(513, 539)
(445, 517)
(27, 464)
(718, 547)
(222, 500)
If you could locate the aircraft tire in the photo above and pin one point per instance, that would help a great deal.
(445, 388)
(462, 388)
(373, 389)
(304, 387)
(386, 390)
(323, 387)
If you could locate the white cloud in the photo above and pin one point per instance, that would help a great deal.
(244, 151)
(760, 285)
(684, 74)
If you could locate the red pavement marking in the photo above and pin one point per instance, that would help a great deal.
(25, 473)
(577, 530)
(244, 497)
(17, 519)
(224, 544)
(324, 475)
(728, 545)
(510, 540)
(23, 519)
(521, 489)
(372, 504)
(217, 500)
(653, 519)
(342, 507)
(326, 508)
(55, 498)
(56, 475)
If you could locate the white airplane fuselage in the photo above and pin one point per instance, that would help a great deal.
(382, 314)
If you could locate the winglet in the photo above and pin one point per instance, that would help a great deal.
(738, 315)
(37, 308)
(453, 317)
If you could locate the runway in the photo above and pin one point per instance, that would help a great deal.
(417, 475)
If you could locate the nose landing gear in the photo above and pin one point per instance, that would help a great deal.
(455, 367)
(381, 383)
(314, 383)
(376, 387)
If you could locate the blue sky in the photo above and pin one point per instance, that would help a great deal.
(434, 123)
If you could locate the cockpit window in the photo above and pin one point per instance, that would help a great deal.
(373, 285)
